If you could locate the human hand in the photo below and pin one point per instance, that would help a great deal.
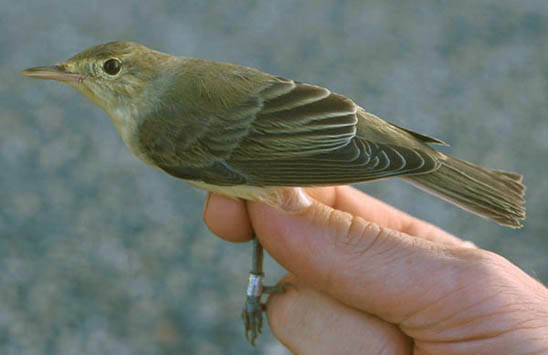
(372, 279)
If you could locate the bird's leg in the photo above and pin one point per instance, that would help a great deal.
(252, 314)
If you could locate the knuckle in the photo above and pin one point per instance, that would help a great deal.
(352, 241)
(354, 236)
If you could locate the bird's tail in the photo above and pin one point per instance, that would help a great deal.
(495, 194)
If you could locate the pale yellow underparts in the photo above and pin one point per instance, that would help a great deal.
(290, 199)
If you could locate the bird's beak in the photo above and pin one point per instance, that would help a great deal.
(54, 72)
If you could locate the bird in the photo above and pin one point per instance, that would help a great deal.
(247, 134)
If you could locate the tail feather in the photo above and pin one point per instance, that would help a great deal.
(495, 194)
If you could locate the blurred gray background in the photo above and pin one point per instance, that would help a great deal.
(100, 254)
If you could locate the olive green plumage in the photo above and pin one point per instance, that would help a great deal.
(221, 124)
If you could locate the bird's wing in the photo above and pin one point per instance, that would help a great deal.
(290, 134)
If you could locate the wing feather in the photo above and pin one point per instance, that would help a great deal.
(303, 121)
(347, 165)
(288, 134)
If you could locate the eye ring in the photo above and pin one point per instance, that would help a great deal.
(112, 66)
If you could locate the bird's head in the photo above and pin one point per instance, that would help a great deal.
(110, 74)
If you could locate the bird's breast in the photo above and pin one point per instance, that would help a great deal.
(127, 122)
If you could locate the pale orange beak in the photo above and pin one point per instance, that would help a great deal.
(54, 72)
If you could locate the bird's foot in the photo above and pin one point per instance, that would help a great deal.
(252, 314)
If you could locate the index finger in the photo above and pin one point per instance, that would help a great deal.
(351, 200)
(228, 218)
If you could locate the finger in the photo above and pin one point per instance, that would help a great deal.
(357, 203)
(309, 322)
(379, 270)
(227, 218)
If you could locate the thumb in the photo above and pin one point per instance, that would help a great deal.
(375, 269)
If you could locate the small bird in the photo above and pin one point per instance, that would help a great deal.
(246, 134)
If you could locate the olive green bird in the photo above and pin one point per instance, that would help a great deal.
(247, 134)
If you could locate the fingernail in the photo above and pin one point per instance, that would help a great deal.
(206, 203)
(296, 199)
(469, 244)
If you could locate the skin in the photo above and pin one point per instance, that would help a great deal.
(371, 279)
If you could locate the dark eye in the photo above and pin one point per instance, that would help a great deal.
(112, 66)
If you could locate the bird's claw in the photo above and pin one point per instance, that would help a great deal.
(252, 315)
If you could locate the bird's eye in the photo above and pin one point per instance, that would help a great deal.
(112, 66)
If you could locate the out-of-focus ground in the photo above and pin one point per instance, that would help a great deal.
(100, 254)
